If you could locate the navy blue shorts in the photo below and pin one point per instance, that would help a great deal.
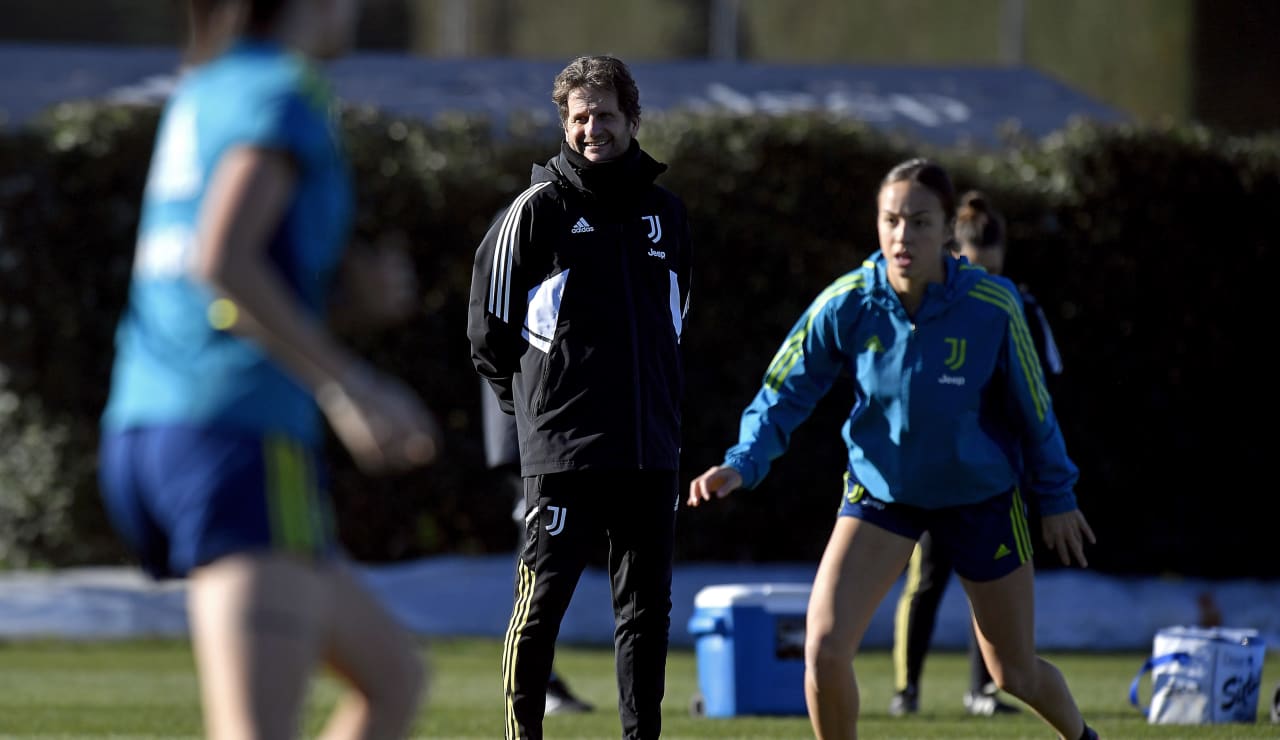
(986, 540)
(182, 497)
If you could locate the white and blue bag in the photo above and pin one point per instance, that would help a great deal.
(1202, 675)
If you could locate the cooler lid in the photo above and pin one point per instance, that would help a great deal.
(1233, 635)
(774, 597)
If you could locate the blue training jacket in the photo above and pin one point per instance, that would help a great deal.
(943, 404)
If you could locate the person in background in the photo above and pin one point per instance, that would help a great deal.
(502, 455)
(947, 391)
(980, 237)
(578, 300)
(210, 457)
(210, 25)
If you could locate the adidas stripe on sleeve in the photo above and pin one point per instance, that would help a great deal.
(504, 255)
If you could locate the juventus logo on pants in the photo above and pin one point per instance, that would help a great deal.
(558, 515)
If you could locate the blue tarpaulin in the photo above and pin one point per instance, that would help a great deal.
(471, 595)
(940, 105)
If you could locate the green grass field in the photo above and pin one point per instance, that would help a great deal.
(147, 689)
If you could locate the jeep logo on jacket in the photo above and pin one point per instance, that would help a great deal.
(578, 299)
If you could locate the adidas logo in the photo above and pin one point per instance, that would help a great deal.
(1001, 551)
(582, 227)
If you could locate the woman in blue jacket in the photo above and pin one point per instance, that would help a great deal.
(948, 389)
(980, 239)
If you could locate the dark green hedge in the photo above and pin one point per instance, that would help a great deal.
(1148, 247)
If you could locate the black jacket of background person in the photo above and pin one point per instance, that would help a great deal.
(1042, 336)
(578, 296)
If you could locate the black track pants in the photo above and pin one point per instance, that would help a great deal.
(569, 514)
(917, 613)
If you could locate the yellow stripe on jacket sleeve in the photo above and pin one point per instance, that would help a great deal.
(793, 348)
(1003, 298)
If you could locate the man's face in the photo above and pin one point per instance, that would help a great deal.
(595, 127)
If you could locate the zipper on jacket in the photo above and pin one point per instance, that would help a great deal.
(635, 343)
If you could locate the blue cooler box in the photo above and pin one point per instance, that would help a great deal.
(750, 648)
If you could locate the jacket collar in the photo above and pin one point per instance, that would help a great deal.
(627, 174)
(938, 297)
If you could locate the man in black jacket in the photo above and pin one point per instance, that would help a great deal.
(578, 300)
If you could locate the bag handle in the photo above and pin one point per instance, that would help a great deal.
(1151, 664)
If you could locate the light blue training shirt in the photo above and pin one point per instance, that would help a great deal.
(173, 365)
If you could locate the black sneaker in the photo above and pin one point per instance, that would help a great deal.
(985, 704)
(904, 703)
(560, 700)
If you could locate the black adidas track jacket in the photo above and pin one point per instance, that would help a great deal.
(578, 299)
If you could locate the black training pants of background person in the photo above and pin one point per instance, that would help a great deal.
(926, 584)
(570, 514)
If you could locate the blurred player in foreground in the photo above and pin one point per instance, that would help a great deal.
(210, 457)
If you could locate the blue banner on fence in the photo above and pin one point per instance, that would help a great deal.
(939, 105)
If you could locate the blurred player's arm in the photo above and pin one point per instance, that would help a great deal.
(379, 420)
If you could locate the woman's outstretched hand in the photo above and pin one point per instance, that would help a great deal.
(719, 481)
(1066, 534)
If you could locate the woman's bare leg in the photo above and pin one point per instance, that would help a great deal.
(1004, 620)
(858, 567)
(379, 659)
(260, 624)
(256, 626)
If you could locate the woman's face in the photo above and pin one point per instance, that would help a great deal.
(913, 235)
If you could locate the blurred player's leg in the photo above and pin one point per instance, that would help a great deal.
(256, 632)
(378, 658)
